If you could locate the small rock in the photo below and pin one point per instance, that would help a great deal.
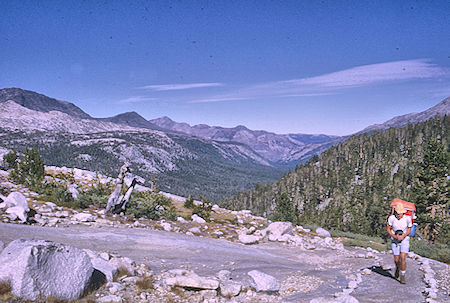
(197, 219)
(224, 275)
(195, 230)
(51, 205)
(181, 220)
(192, 280)
(230, 288)
(110, 299)
(323, 232)
(115, 287)
(166, 226)
(248, 239)
(263, 282)
(84, 217)
(104, 256)
(62, 214)
(366, 271)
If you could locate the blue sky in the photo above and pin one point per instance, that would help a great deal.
(330, 67)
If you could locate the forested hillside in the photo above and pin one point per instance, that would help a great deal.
(349, 187)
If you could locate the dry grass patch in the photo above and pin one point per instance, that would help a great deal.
(121, 272)
(146, 282)
(5, 287)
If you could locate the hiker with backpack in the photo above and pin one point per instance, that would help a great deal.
(399, 228)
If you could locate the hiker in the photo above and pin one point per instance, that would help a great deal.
(399, 227)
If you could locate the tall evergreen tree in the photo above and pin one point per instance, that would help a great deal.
(285, 209)
(430, 189)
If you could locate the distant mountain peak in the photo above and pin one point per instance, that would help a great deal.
(39, 102)
(440, 109)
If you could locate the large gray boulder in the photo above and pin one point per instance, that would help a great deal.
(278, 229)
(16, 199)
(17, 206)
(43, 269)
(263, 282)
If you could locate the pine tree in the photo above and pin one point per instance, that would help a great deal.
(285, 209)
(29, 169)
(11, 159)
(430, 190)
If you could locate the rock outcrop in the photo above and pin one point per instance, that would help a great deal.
(43, 269)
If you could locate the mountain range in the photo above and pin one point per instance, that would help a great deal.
(202, 160)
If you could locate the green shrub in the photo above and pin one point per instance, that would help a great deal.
(97, 195)
(437, 251)
(203, 209)
(151, 205)
(189, 202)
(56, 192)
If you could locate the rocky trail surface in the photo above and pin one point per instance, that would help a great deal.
(305, 275)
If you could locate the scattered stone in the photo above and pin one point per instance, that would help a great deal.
(16, 199)
(197, 219)
(106, 268)
(166, 226)
(323, 232)
(195, 230)
(280, 228)
(181, 220)
(62, 214)
(366, 271)
(51, 205)
(125, 263)
(104, 256)
(17, 212)
(224, 275)
(110, 299)
(263, 282)
(84, 217)
(192, 280)
(38, 269)
(115, 287)
(248, 239)
(230, 288)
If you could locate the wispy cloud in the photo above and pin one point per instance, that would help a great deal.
(332, 83)
(136, 99)
(207, 100)
(167, 87)
(375, 73)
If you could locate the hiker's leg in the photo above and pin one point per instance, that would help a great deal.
(402, 261)
(404, 249)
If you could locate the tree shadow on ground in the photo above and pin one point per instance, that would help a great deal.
(381, 271)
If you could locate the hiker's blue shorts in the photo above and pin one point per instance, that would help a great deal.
(398, 247)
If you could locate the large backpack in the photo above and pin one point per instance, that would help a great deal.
(410, 211)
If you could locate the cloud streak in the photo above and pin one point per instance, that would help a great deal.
(332, 83)
(169, 87)
(136, 99)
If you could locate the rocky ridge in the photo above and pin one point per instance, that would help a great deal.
(127, 281)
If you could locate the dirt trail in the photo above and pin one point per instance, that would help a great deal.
(165, 250)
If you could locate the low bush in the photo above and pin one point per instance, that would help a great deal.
(437, 251)
(151, 205)
(189, 202)
(97, 195)
(203, 209)
(56, 191)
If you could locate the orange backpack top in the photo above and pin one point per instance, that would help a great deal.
(410, 211)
